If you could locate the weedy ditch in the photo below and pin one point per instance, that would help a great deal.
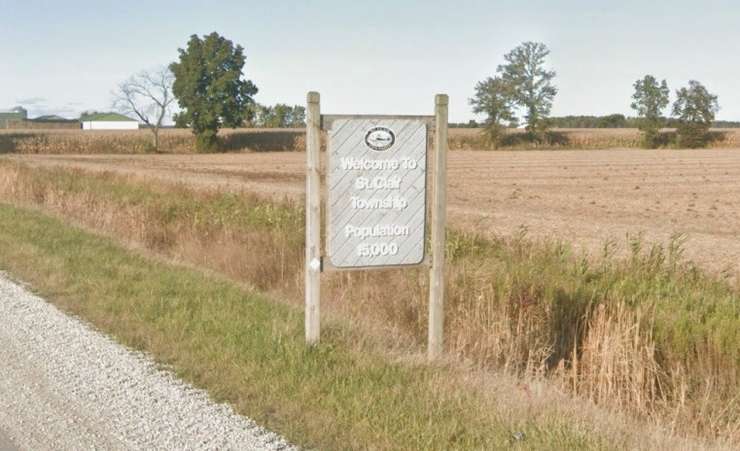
(650, 335)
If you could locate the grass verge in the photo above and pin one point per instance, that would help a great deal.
(249, 351)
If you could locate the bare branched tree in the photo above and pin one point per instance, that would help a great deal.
(148, 96)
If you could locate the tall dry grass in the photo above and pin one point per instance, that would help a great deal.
(649, 335)
(262, 140)
(140, 141)
(578, 138)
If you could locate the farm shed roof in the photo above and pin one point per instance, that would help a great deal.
(108, 117)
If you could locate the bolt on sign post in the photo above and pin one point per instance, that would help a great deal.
(377, 201)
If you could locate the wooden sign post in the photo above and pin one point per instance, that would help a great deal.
(377, 201)
(439, 224)
(313, 218)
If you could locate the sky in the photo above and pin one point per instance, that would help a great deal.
(384, 57)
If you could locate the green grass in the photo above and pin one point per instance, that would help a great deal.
(249, 351)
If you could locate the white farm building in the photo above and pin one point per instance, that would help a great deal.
(108, 121)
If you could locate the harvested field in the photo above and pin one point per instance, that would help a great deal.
(583, 197)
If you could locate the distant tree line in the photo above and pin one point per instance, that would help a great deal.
(470, 124)
(257, 115)
(524, 85)
(620, 121)
(608, 121)
(279, 115)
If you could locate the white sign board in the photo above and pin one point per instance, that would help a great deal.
(377, 182)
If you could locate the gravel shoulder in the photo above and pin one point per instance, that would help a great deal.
(65, 386)
(6, 444)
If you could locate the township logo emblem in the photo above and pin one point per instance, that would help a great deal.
(380, 138)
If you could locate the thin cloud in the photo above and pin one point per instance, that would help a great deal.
(31, 101)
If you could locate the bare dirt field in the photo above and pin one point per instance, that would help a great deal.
(582, 197)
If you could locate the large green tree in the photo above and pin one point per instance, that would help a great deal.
(530, 82)
(494, 99)
(649, 100)
(694, 108)
(210, 87)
